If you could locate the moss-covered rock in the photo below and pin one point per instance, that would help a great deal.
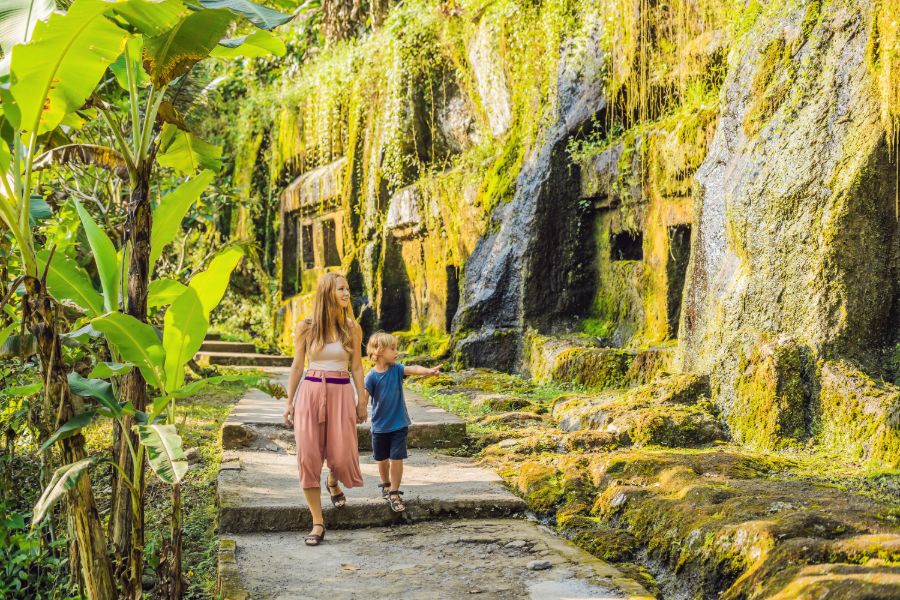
(540, 486)
(772, 395)
(859, 417)
(667, 412)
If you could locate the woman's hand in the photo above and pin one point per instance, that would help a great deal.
(361, 415)
(289, 416)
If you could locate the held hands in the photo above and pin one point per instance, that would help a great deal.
(289, 416)
(361, 408)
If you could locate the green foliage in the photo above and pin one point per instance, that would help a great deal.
(105, 257)
(28, 567)
(171, 210)
(64, 479)
(185, 152)
(164, 450)
(67, 281)
(184, 331)
(137, 343)
(83, 43)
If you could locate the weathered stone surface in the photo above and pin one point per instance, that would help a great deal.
(513, 419)
(265, 494)
(511, 280)
(859, 417)
(428, 560)
(319, 187)
(239, 359)
(490, 79)
(403, 210)
(572, 361)
(772, 395)
(228, 578)
(796, 210)
(668, 412)
(231, 347)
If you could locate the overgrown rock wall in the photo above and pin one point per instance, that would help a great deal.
(797, 233)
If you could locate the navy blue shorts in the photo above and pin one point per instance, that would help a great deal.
(391, 444)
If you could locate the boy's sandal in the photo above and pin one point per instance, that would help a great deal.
(315, 539)
(384, 489)
(338, 500)
(395, 501)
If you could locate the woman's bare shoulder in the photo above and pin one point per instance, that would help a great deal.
(303, 327)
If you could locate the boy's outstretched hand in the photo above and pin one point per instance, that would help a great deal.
(435, 370)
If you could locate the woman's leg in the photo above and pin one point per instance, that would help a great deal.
(314, 501)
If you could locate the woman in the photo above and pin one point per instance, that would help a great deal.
(321, 408)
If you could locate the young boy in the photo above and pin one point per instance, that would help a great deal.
(390, 420)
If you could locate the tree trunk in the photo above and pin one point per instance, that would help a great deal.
(339, 18)
(94, 562)
(175, 579)
(129, 528)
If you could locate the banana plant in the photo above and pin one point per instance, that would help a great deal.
(53, 72)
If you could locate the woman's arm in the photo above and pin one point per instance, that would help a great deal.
(296, 372)
(357, 370)
(417, 370)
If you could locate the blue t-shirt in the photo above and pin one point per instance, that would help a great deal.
(388, 407)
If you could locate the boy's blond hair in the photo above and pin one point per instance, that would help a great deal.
(378, 342)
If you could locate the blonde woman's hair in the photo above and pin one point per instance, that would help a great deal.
(329, 319)
(378, 342)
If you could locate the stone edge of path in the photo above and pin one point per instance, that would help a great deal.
(229, 585)
(228, 577)
(242, 435)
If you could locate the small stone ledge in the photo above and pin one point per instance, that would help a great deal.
(228, 579)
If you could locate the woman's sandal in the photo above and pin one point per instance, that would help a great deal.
(315, 539)
(384, 489)
(395, 501)
(338, 500)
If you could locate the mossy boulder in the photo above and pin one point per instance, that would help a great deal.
(668, 412)
(772, 395)
(539, 485)
(512, 419)
(582, 362)
(859, 417)
(500, 402)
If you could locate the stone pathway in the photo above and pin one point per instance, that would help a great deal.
(462, 534)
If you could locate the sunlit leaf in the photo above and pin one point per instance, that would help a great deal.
(173, 52)
(257, 44)
(137, 343)
(105, 370)
(183, 333)
(171, 210)
(64, 479)
(104, 256)
(95, 388)
(163, 292)
(59, 68)
(66, 280)
(164, 450)
(185, 152)
(211, 283)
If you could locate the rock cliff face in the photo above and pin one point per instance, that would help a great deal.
(796, 229)
(599, 193)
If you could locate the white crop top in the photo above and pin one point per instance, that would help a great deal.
(331, 357)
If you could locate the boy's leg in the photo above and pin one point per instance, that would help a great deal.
(384, 470)
(396, 473)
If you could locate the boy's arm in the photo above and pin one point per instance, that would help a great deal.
(417, 370)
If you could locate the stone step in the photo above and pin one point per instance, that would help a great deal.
(213, 337)
(243, 359)
(257, 422)
(260, 491)
(220, 346)
(488, 558)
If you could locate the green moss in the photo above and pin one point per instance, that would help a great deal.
(858, 415)
(772, 396)
(540, 486)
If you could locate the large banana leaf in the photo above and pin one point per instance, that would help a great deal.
(185, 326)
(262, 17)
(211, 283)
(95, 388)
(64, 479)
(137, 343)
(69, 428)
(185, 152)
(66, 280)
(164, 450)
(56, 72)
(163, 292)
(152, 18)
(171, 210)
(17, 21)
(104, 256)
(257, 44)
(173, 52)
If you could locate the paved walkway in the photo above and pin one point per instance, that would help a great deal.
(463, 533)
